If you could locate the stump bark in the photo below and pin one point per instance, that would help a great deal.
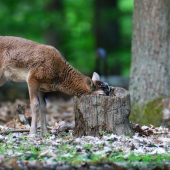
(97, 114)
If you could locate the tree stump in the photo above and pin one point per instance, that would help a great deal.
(97, 114)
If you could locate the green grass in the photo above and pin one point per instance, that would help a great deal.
(67, 154)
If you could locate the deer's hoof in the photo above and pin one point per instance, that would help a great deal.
(45, 131)
(33, 131)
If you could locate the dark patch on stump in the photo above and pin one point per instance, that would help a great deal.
(94, 114)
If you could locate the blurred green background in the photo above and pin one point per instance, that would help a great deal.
(76, 28)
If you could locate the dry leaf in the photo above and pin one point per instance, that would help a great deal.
(158, 141)
(133, 147)
(10, 163)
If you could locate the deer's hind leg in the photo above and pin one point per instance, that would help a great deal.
(2, 79)
(33, 87)
(43, 112)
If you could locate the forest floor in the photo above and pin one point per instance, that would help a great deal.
(149, 148)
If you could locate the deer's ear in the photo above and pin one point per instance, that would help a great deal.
(95, 77)
(90, 83)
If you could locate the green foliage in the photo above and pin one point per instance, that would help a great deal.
(122, 59)
(47, 135)
(79, 47)
(73, 22)
(148, 113)
(77, 161)
(103, 132)
(87, 146)
(67, 154)
(25, 19)
(125, 6)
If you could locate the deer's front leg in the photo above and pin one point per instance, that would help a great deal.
(33, 87)
(43, 112)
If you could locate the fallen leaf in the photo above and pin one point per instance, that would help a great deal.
(158, 141)
(132, 147)
(10, 163)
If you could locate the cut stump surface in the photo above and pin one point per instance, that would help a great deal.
(97, 114)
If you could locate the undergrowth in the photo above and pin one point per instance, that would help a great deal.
(68, 153)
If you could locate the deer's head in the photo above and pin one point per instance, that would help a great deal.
(99, 87)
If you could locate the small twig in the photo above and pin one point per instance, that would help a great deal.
(19, 130)
(15, 130)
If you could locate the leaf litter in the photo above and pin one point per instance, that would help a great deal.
(61, 150)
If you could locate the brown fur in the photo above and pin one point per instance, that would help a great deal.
(44, 69)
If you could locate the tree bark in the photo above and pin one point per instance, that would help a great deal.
(97, 114)
(52, 33)
(106, 29)
(150, 71)
(107, 34)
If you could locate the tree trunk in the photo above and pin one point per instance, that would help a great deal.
(106, 29)
(150, 71)
(97, 114)
(107, 33)
(52, 33)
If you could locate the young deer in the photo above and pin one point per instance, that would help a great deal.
(44, 69)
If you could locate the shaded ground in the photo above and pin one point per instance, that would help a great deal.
(149, 148)
(57, 111)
